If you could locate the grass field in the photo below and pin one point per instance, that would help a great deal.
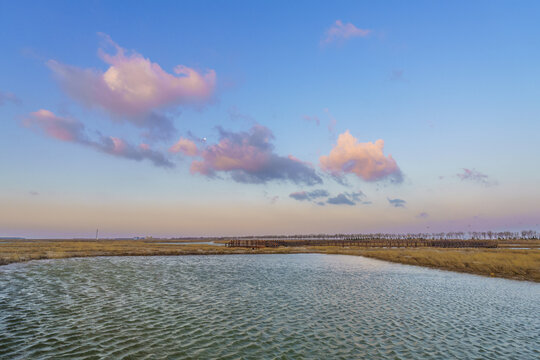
(505, 263)
(502, 262)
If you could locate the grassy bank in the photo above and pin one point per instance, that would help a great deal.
(25, 250)
(506, 263)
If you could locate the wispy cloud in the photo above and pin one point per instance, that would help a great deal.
(348, 198)
(397, 75)
(476, 176)
(340, 199)
(422, 215)
(119, 147)
(158, 126)
(249, 157)
(315, 196)
(185, 146)
(397, 202)
(6, 97)
(331, 123)
(299, 195)
(60, 128)
(356, 196)
(340, 31)
(235, 114)
(365, 160)
(313, 119)
(72, 130)
(134, 88)
(309, 195)
(271, 198)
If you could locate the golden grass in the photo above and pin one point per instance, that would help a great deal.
(533, 244)
(24, 250)
(506, 263)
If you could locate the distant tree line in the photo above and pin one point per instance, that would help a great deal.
(458, 235)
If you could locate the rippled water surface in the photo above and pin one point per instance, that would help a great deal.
(261, 306)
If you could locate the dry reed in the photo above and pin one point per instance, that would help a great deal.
(506, 263)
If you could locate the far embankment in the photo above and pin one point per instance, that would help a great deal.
(513, 259)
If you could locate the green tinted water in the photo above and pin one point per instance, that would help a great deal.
(261, 306)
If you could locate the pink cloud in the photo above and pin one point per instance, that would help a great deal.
(119, 145)
(6, 97)
(72, 130)
(340, 32)
(133, 85)
(236, 152)
(185, 146)
(474, 175)
(332, 123)
(365, 160)
(314, 119)
(249, 158)
(56, 127)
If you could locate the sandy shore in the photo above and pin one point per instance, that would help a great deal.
(505, 262)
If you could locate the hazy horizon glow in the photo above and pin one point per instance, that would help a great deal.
(237, 118)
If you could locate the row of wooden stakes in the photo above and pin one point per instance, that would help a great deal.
(384, 243)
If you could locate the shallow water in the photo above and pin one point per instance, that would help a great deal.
(261, 306)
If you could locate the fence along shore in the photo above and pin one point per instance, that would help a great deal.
(458, 239)
(352, 242)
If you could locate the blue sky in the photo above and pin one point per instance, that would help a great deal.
(450, 87)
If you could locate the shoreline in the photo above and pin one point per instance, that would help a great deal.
(515, 264)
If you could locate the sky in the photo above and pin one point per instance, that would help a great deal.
(203, 118)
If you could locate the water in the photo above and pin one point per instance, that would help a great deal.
(261, 306)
